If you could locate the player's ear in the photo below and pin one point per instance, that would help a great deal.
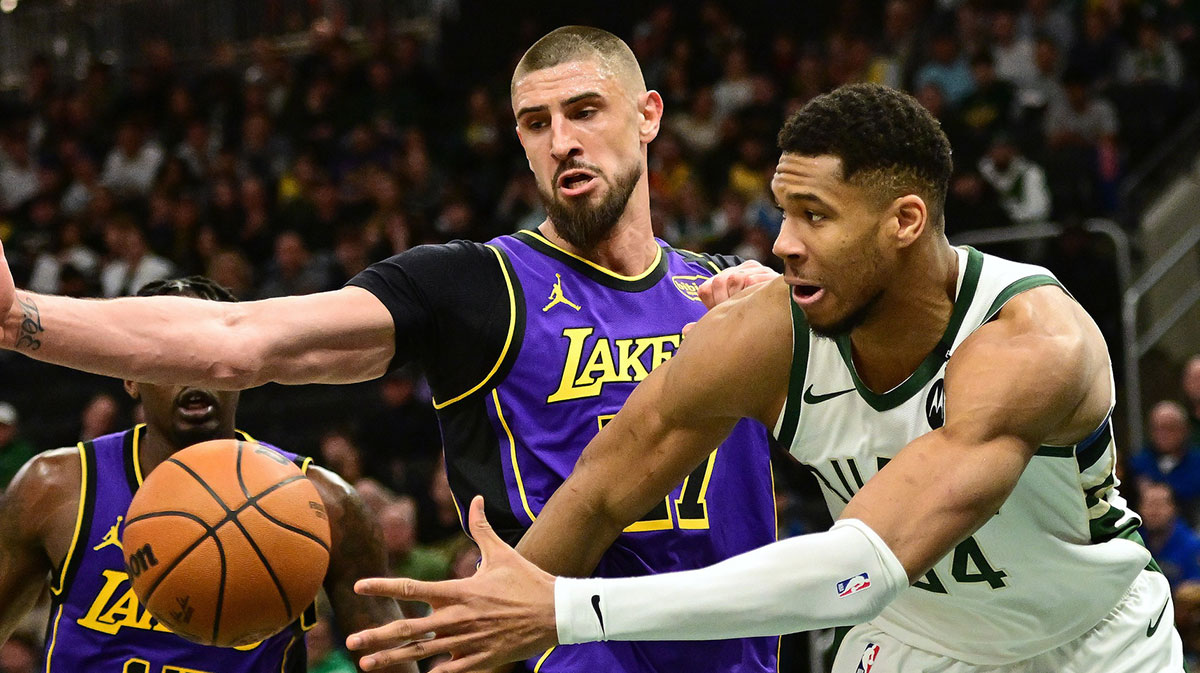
(650, 108)
(131, 387)
(911, 217)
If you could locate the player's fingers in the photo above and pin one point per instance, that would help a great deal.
(403, 588)
(706, 293)
(688, 327)
(458, 645)
(470, 663)
(389, 634)
(481, 531)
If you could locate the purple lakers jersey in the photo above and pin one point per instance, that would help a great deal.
(96, 621)
(580, 340)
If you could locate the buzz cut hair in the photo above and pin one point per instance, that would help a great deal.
(580, 43)
(887, 142)
(191, 286)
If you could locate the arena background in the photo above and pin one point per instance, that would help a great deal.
(281, 146)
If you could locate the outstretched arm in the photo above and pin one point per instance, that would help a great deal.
(356, 551)
(331, 337)
(1037, 375)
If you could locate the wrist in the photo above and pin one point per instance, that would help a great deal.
(579, 610)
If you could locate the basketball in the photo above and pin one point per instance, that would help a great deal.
(226, 542)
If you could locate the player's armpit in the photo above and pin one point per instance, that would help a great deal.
(1037, 375)
(38, 511)
(330, 337)
(356, 552)
(733, 364)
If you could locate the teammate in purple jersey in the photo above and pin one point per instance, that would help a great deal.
(462, 311)
(64, 515)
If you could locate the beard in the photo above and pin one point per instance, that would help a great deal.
(584, 225)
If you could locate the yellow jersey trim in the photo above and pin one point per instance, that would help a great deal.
(512, 326)
(650, 269)
(137, 454)
(512, 449)
(538, 666)
(304, 465)
(53, 638)
(701, 523)
(83, 495)
(286, 651)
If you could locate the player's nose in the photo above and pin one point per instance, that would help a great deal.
(564, 142)
(788, 244)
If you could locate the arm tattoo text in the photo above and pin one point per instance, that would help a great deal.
(31, 325)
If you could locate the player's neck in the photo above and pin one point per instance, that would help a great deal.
(917, 304)
(631, 249)
(155, 447)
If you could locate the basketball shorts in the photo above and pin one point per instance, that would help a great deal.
(1138, 636)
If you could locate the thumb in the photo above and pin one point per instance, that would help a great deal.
(489, 543)
(8, 289)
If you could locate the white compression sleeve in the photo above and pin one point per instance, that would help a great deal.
(843, 576)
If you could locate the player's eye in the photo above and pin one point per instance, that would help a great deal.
(535, 125)
(813, 217)
(585, 113)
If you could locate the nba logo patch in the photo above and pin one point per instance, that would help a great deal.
(853, 585)
(867, 662)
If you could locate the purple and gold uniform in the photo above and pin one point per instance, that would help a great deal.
(96, 622)
(566, 342)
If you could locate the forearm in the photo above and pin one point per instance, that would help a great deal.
(156, 339)
(844, 576)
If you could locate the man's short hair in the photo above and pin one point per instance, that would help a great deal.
(887, 142)
(191, 286)
(577, 43)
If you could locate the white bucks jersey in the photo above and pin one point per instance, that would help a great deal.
(1046, 568)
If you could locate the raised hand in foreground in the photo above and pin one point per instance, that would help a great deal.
(505, 612)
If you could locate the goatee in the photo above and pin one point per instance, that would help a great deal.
(584, 225)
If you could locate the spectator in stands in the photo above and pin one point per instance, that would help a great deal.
(1020, 182)
(1187, 620)
(99, 417)
(698, 127)
(1153, 61)
(325, 654)
(401, 436)
(1098, 51)
(131, 263)
(1013, 57)
(133, 163)
(14, 449)
(986, 112)
(18, 171)
(1081, 129)
(1191, 395)
(67, 251)
(735, 89)
(341, 454)
(406, 558)
(294, 270)
(1169, 457)
(973, 203)
(948, 69)
(1046, 18)
(1175, 546)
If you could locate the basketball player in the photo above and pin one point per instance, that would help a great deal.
(63, 519)
(954, 406)
(531, 343)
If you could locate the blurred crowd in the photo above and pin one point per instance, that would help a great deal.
(279, 169)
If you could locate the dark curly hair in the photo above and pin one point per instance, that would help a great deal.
(886, 140)
(192, 286)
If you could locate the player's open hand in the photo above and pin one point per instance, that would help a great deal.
(504, 613)
(8, 293)
(733, 280)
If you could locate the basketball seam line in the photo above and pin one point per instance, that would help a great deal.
(231, 515)
(287, 603)
(178, 559)
(285, 526)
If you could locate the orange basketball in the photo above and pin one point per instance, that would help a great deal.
(226, 542)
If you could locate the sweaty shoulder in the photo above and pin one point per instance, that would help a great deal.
(43, 498)
(743, 348)
(1039, 369)
(450, 307)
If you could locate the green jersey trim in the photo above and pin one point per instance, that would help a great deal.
(791, 407)
(1017, 287)
(936, 358)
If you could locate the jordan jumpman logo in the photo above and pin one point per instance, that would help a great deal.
(557, 297)
(110, 538)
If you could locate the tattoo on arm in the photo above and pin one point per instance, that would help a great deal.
(31, 324)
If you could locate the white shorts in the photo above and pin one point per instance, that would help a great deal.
(1138, 636)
